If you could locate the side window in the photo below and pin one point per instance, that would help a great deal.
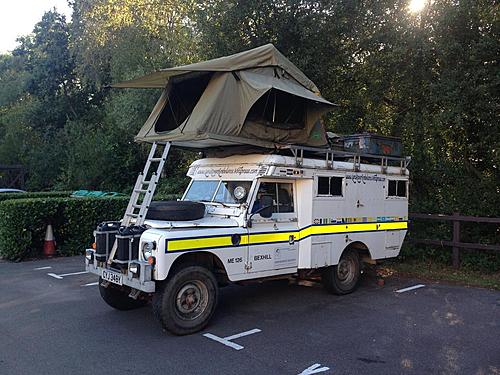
(397, 188)
(282, 194)
(330, 186)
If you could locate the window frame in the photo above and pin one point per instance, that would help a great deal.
(276, 216)
(397, 197)
(329, 196)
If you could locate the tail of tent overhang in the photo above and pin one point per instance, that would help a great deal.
(255, 97)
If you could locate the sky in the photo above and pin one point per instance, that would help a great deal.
(18, 17)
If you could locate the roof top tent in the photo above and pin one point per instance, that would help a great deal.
(255, 98)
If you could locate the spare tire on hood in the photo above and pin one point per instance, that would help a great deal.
(175, 210)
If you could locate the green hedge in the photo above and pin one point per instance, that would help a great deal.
(23, 223)
(40, 194)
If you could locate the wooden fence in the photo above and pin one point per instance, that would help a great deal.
(455, 242)
(12, 176)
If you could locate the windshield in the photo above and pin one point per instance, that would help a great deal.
(218, 191)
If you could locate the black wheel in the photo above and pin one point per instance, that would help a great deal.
(118, 298)
(186, 301)
(175, 210)
(343, 278)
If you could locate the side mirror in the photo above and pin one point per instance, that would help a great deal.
(265, 210)
(266, 206)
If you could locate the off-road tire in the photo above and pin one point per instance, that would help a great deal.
(169, 296)
(338, 280)
(119, 299)
(175, 210)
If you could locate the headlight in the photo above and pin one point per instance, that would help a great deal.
(134, 268)
(147, 248)
(239, 192)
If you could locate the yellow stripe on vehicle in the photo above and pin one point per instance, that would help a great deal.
(199, 243)
(256, 239)
(264, 238)
(393, 225)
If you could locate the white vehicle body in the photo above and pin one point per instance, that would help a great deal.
(260, 216)
(313, 235)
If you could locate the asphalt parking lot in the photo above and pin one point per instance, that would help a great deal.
(53, 321)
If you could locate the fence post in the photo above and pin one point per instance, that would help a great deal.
(456, 239)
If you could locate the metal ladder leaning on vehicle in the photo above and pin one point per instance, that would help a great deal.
(143, 191)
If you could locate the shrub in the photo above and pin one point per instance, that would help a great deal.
(23, 223)
(40, 194)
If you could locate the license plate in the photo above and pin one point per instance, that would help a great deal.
(114, 277)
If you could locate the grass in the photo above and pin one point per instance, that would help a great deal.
(442, 273)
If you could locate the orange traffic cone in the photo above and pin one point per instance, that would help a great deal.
(49, 245)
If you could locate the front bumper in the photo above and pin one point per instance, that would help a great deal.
(140, 282)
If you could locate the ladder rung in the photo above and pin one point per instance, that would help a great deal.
(146, 182)
(156, 159)
(131, 215)
(140, 190)
(136, 205)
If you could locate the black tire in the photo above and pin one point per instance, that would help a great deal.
(119, 299)
(174, 311)
(344, 277)
(175, 210)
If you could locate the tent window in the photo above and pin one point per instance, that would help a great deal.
(182, 98)
(279, 109)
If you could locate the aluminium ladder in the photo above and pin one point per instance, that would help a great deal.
(144, 190)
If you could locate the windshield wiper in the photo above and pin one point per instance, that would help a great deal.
(223, 204)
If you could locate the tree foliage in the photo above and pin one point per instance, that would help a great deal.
(430, 78)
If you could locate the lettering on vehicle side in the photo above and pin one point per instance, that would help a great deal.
(206, 171)
(235, 260)
(262, 257)
(358, 178)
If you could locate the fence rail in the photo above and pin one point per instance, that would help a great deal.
(455, 243)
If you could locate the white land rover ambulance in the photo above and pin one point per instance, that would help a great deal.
(264, 215)
(270, 198)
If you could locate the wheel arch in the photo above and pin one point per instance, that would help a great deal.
(361, 248)
(205, 259)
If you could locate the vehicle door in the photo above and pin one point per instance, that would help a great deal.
(272, 242)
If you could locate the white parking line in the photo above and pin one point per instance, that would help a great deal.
(66, 274)
(410, 288)
(226, 340)
(42, 268)
(55, 276)
(91, 284)
(314, 369)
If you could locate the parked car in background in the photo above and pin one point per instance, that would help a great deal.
(8, 190)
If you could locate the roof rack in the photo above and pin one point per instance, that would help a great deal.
(331, 155)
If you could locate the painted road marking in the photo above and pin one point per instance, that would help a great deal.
(226, 340)
(410, 288)
(42, 268)
(91, 284)
(314, 369)
(66, 274)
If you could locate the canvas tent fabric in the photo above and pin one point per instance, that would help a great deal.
(256, 97)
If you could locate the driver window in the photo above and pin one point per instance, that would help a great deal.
(282, 194)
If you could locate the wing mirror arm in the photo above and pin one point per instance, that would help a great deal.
(249, 220)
